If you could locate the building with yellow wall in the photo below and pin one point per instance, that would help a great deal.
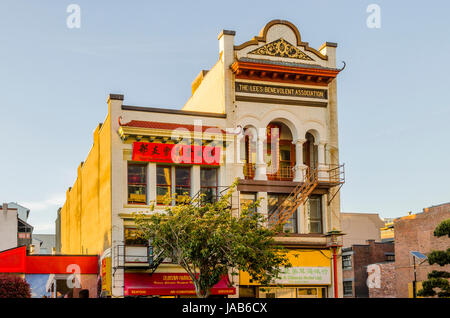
(265, 113)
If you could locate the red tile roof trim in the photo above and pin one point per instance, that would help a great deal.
(167, 126)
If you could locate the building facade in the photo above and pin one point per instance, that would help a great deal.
(360, 227)
(264, 114)
(415, 233)
(355, 262)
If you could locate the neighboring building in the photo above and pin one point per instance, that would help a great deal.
(44, 244)
(360, 227)
(22, 212)
(14, 230)
(355, 260)
(272, 88)
(387, 231)
(415, 233)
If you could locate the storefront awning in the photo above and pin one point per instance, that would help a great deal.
(166, 284)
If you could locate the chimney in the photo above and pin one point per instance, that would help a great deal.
(329, 49)
(226, 47)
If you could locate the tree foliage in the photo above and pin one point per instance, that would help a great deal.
(14, 287)
(438, 281)
(442, 229)
(210, 242)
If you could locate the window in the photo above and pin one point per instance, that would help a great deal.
(390, 257)
(163, 184)
(134, 237)
(246, 199)
(315, 214)
(137, 184)
(209, 184)
(273, 202)
(346, 261)
(348, 288)
(182, 181)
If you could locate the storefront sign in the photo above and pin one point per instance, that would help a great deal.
(168, 284)
(171, 153)
(281, 90)
(305, 276)
(106, 274)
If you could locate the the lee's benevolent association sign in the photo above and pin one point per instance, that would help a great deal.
(171, 153)
(242, 87)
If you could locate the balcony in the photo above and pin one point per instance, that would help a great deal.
(331, 174)
(327, 174)
(138, 256)
(282, 173)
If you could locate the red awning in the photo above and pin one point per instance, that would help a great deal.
(165, 284)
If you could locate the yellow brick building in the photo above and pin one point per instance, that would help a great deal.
(266, 113)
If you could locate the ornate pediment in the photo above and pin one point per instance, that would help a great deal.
(281, 48)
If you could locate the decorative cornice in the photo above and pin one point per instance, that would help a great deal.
(281, 48)
(263, 38)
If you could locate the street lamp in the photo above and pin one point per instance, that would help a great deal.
(334, 241)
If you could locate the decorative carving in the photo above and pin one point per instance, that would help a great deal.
(281, 48)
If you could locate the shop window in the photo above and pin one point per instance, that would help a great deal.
(307, 293)
(137, 184)
(273, 202)
(182, 182)
(347, 262)
(348, 288)
(315, 214)
(247, 199)
(209, 183)
(163, 184)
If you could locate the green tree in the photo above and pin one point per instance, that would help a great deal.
(437, 283)
(210, 242)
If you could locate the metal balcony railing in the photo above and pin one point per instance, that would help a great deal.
(249, 171)
(283, 173)
(333, 174)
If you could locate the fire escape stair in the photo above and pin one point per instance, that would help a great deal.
(296, 198)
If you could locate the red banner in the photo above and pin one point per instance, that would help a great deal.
(170, 153)
(168, 284)
(17, 261)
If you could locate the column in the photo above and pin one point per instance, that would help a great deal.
(263, 208)
(260, 166)
(151, 183)
(299, 168)
(323, 171)
(239, 164)
(195, 180)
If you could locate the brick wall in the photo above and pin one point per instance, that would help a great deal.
(415, 233)
(363, 255)
(387, 288)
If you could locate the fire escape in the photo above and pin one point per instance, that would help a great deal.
(327, 175)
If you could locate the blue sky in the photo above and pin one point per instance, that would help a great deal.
(54, 81)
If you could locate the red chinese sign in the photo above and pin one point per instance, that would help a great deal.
(170, 153)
